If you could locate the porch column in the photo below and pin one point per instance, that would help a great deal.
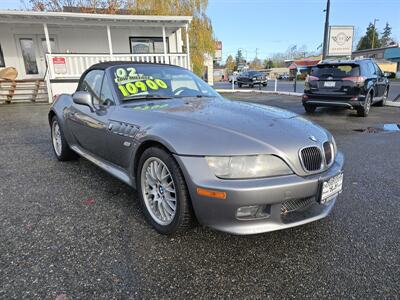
(164, 44)
(187, 46)
(109, 40)
(46, 34)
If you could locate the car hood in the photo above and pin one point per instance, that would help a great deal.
(214, 126)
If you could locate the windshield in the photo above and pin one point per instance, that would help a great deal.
(254, 73)
(336, 71)
(138, 81)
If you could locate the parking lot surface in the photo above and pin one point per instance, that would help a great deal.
(288, 86)
(71, 231)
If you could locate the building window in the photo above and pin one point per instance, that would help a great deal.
(2, 62)
(147, 45)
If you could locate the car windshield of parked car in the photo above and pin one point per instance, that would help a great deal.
(138, 81)
(335, 71)
(254, 73)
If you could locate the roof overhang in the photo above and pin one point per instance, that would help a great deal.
(68, 18)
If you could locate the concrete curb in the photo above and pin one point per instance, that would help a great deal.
(392, 103)
(260, 92)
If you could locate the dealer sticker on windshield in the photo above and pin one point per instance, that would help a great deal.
(331, 188)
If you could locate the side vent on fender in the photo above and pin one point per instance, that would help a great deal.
(123, 129)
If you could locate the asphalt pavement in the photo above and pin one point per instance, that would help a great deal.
(289, 86)
(71, 231)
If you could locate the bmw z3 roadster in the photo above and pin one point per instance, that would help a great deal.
(194, 156)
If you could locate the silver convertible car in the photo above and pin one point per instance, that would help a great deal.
(194, 156)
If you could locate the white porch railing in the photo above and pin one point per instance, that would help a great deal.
(71, 66)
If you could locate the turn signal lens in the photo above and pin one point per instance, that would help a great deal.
(211, 193)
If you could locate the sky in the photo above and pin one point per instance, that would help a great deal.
(272, 26)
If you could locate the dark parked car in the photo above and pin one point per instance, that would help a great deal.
(251, 78)
(355, 84)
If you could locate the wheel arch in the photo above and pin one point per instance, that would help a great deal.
(51, 114)
(143, 147)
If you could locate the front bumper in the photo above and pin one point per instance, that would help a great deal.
(273, 193)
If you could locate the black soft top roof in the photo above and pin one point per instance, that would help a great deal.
(108, 64)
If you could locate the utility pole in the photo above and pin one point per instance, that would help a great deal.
(326, 30)
(373, 34)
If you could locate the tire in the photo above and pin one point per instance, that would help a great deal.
(166, 216)
(363, 110)
(251, 85)
(264, 84)
(239, 85)
(309, 108)
(385, 96)
(60, 146)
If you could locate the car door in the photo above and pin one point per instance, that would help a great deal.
(373, 77)
(89, 126)
(381, 80)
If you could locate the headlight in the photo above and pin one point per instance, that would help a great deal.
(254, 78)
(253, 166)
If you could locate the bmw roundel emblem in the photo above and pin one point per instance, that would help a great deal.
(313, 138)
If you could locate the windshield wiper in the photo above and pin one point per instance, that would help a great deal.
(148, 96)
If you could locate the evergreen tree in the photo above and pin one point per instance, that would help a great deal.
(386, 35)
(370, 36)
(239, 58)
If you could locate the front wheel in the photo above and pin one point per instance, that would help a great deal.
(384, 98)
(163, 193)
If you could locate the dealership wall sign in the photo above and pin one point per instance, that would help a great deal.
(60, 66)
(340, 40)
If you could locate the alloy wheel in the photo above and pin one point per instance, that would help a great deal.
(56, 138)
(158, 190)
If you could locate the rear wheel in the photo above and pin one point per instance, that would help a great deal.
(309, 108)
(363, 110)
(384, 98)
(163, 192)
(264, 84)
(60, 146)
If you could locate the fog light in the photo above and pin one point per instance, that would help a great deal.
(253, 212)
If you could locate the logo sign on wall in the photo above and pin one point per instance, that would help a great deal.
(340, 40)
(60, 66)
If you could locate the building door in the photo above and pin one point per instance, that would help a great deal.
(31, 52)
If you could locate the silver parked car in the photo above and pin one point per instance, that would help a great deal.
(193, 155)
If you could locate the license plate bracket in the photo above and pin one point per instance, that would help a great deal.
(330, 84)
(330, 188)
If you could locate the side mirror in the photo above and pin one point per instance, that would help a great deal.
(83, 98)
(387, 74)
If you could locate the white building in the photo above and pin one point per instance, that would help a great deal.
(59, 46)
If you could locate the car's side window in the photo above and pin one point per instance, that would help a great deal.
(106, 95)
(371, 67)
(92, 84)
(378, 70)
